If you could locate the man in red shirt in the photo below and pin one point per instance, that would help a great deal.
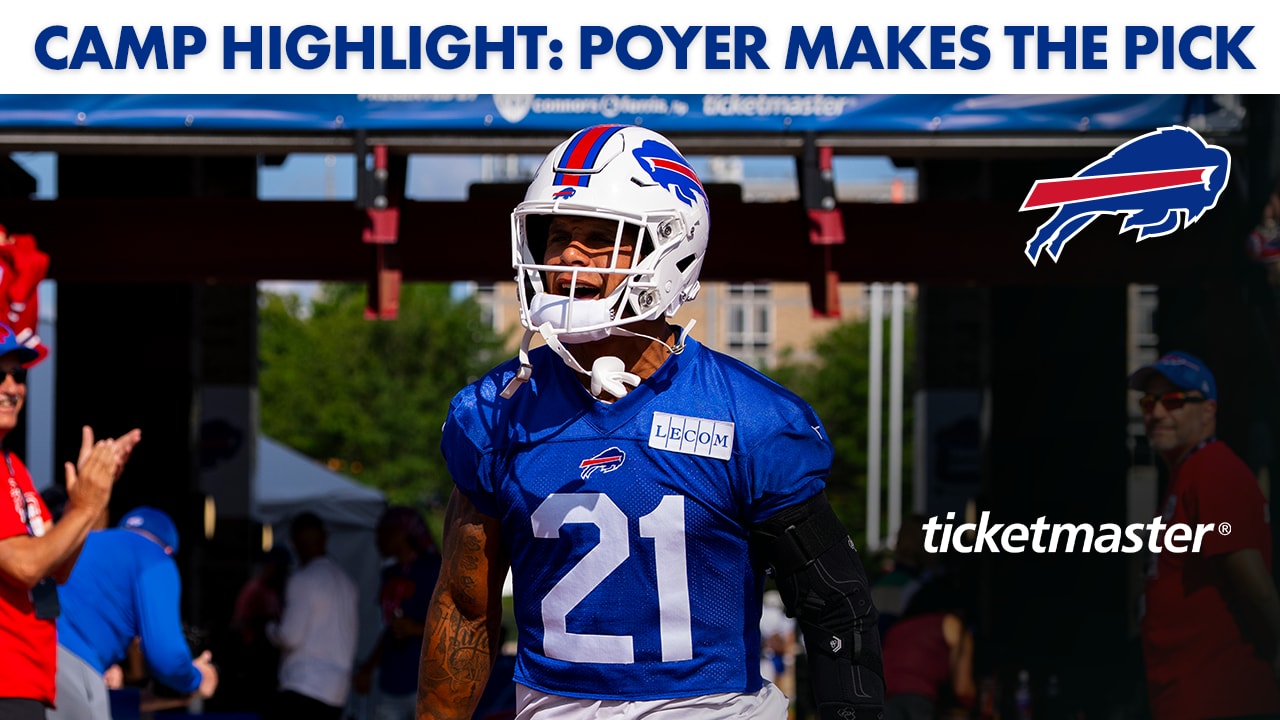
(1211, 625)
(33, 551)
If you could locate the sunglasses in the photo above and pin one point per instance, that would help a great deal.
(1171, 401)
(19, 375)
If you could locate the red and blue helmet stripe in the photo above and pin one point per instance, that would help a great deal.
(581, 154)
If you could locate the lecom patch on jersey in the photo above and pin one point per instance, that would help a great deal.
(691, 435)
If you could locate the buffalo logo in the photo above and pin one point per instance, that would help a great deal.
(1160, 182)
(563, 193)
(669, 169)
(607, 461)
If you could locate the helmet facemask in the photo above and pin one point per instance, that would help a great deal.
(575, 317)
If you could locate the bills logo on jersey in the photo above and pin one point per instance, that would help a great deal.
(563, 193)
(667, 168)
(1160, 182)
(606, 462)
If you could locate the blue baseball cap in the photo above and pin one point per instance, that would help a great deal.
(1182, 369)
(9, 344)
(154, 522)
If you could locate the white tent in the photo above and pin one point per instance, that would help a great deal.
(287, 483)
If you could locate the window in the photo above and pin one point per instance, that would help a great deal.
(486, 298)
(749, 311)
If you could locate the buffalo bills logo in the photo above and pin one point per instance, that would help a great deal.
(1160, 182)
(667, 168)
(607, 461)
(563, 193)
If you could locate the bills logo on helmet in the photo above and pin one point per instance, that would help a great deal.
(607, 461)
(1160, 182)
(667, 168)
(564, 193)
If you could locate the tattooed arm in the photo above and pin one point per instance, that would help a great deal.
(462, 630)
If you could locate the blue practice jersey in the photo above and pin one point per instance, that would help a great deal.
(124, 586)
(628, 522)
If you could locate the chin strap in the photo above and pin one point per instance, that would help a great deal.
(526, 368)
(673, 349)
(608, 373)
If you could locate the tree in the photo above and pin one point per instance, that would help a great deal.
(837, 384)
(371, 397)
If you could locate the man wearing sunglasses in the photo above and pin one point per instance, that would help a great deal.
(1211, 624)
(34, 553)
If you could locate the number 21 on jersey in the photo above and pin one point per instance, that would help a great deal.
(665, 525)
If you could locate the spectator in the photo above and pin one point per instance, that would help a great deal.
(260, 601)
(928, 656)
(404, 596)
(317, 629)
(1211, 627)
(257, 663)
(892, 591)
(35, 552)
(1264, 240)
(777, 644)
(125, 585)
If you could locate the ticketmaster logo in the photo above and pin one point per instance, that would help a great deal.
(1044, 537)
(776, 105)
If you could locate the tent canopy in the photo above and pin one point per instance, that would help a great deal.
(287, 482)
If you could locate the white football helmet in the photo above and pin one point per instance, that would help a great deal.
(630, 175)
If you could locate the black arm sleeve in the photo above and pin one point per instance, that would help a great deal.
(824, 586)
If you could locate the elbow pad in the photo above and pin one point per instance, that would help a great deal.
(824, 586)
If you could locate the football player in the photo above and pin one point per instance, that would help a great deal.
(638, 484)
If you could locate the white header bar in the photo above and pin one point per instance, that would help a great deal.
(660, 46)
